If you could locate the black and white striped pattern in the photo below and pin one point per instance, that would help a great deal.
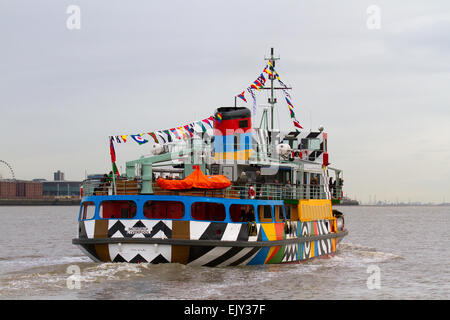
(306, 253)
(140, 253)
(290, 253)
(198, 254)
(324, 247)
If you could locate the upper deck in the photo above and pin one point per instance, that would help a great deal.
(298, 172)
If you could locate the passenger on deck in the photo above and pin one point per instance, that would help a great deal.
(247, 214)
(240, 183)
(101, 187)
(109, 178)
(330, 185)
(288, 188)
(315, 188)
(260, 180)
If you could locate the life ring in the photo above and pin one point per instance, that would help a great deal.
(251, 193)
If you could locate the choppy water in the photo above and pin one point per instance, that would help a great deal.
(409, 246)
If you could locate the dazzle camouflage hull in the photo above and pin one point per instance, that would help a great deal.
(206, 243)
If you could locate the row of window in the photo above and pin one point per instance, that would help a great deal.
(202, 211)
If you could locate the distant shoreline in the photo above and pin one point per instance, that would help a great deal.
(40, 202)
(397, 205)
(76, 202)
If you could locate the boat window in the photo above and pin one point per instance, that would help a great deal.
(314, 144)
(164, 210)
(208, 211)
(287, 212)
(243, 123)
(265, 213)
(87, 210)
(304, 143)
(117, 209)
(242, 213)
(279, 214)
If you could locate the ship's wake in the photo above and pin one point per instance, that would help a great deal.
(365, 255)
(78, 278)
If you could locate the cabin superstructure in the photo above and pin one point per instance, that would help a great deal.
(295, 165)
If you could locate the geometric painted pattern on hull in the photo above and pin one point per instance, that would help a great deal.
(216, 256)
(205, 255)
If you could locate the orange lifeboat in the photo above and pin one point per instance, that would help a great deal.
(195, 180)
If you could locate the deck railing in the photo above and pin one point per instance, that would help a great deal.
(261, 191)
(95, 187)
(269, 191)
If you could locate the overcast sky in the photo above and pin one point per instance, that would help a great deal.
(383, 95)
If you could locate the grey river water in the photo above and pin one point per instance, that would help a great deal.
(390, 253)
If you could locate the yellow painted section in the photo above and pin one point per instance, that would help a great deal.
(238, 155)
(269, 230)
(312, 248)
(315, 209)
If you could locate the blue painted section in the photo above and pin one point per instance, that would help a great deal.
(263, 234)
(219, 142)
(226, 143)
(301, 248)
(260, 257)
(187, 201)
(316, 248)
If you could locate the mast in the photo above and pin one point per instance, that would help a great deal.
(272, 99)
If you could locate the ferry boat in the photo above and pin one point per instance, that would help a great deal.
(241, 195)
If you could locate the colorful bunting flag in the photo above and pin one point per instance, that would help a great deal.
(115, 170)
(288, 102)
(259, 84)
(112, 152)
(255, 87)
(174, 131)
(165, 136)
(169, 137)
(268, 71)
(161, 136)
(297, 124)
(262, 79)
(186, 127)
(202, 126)
(276, 75)
(207, 122)
(291, 109)
(151, 134)
(138, 138)
(242, 96)
(182, 133)
(195, 128)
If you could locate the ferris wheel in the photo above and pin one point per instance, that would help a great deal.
(10, 169)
